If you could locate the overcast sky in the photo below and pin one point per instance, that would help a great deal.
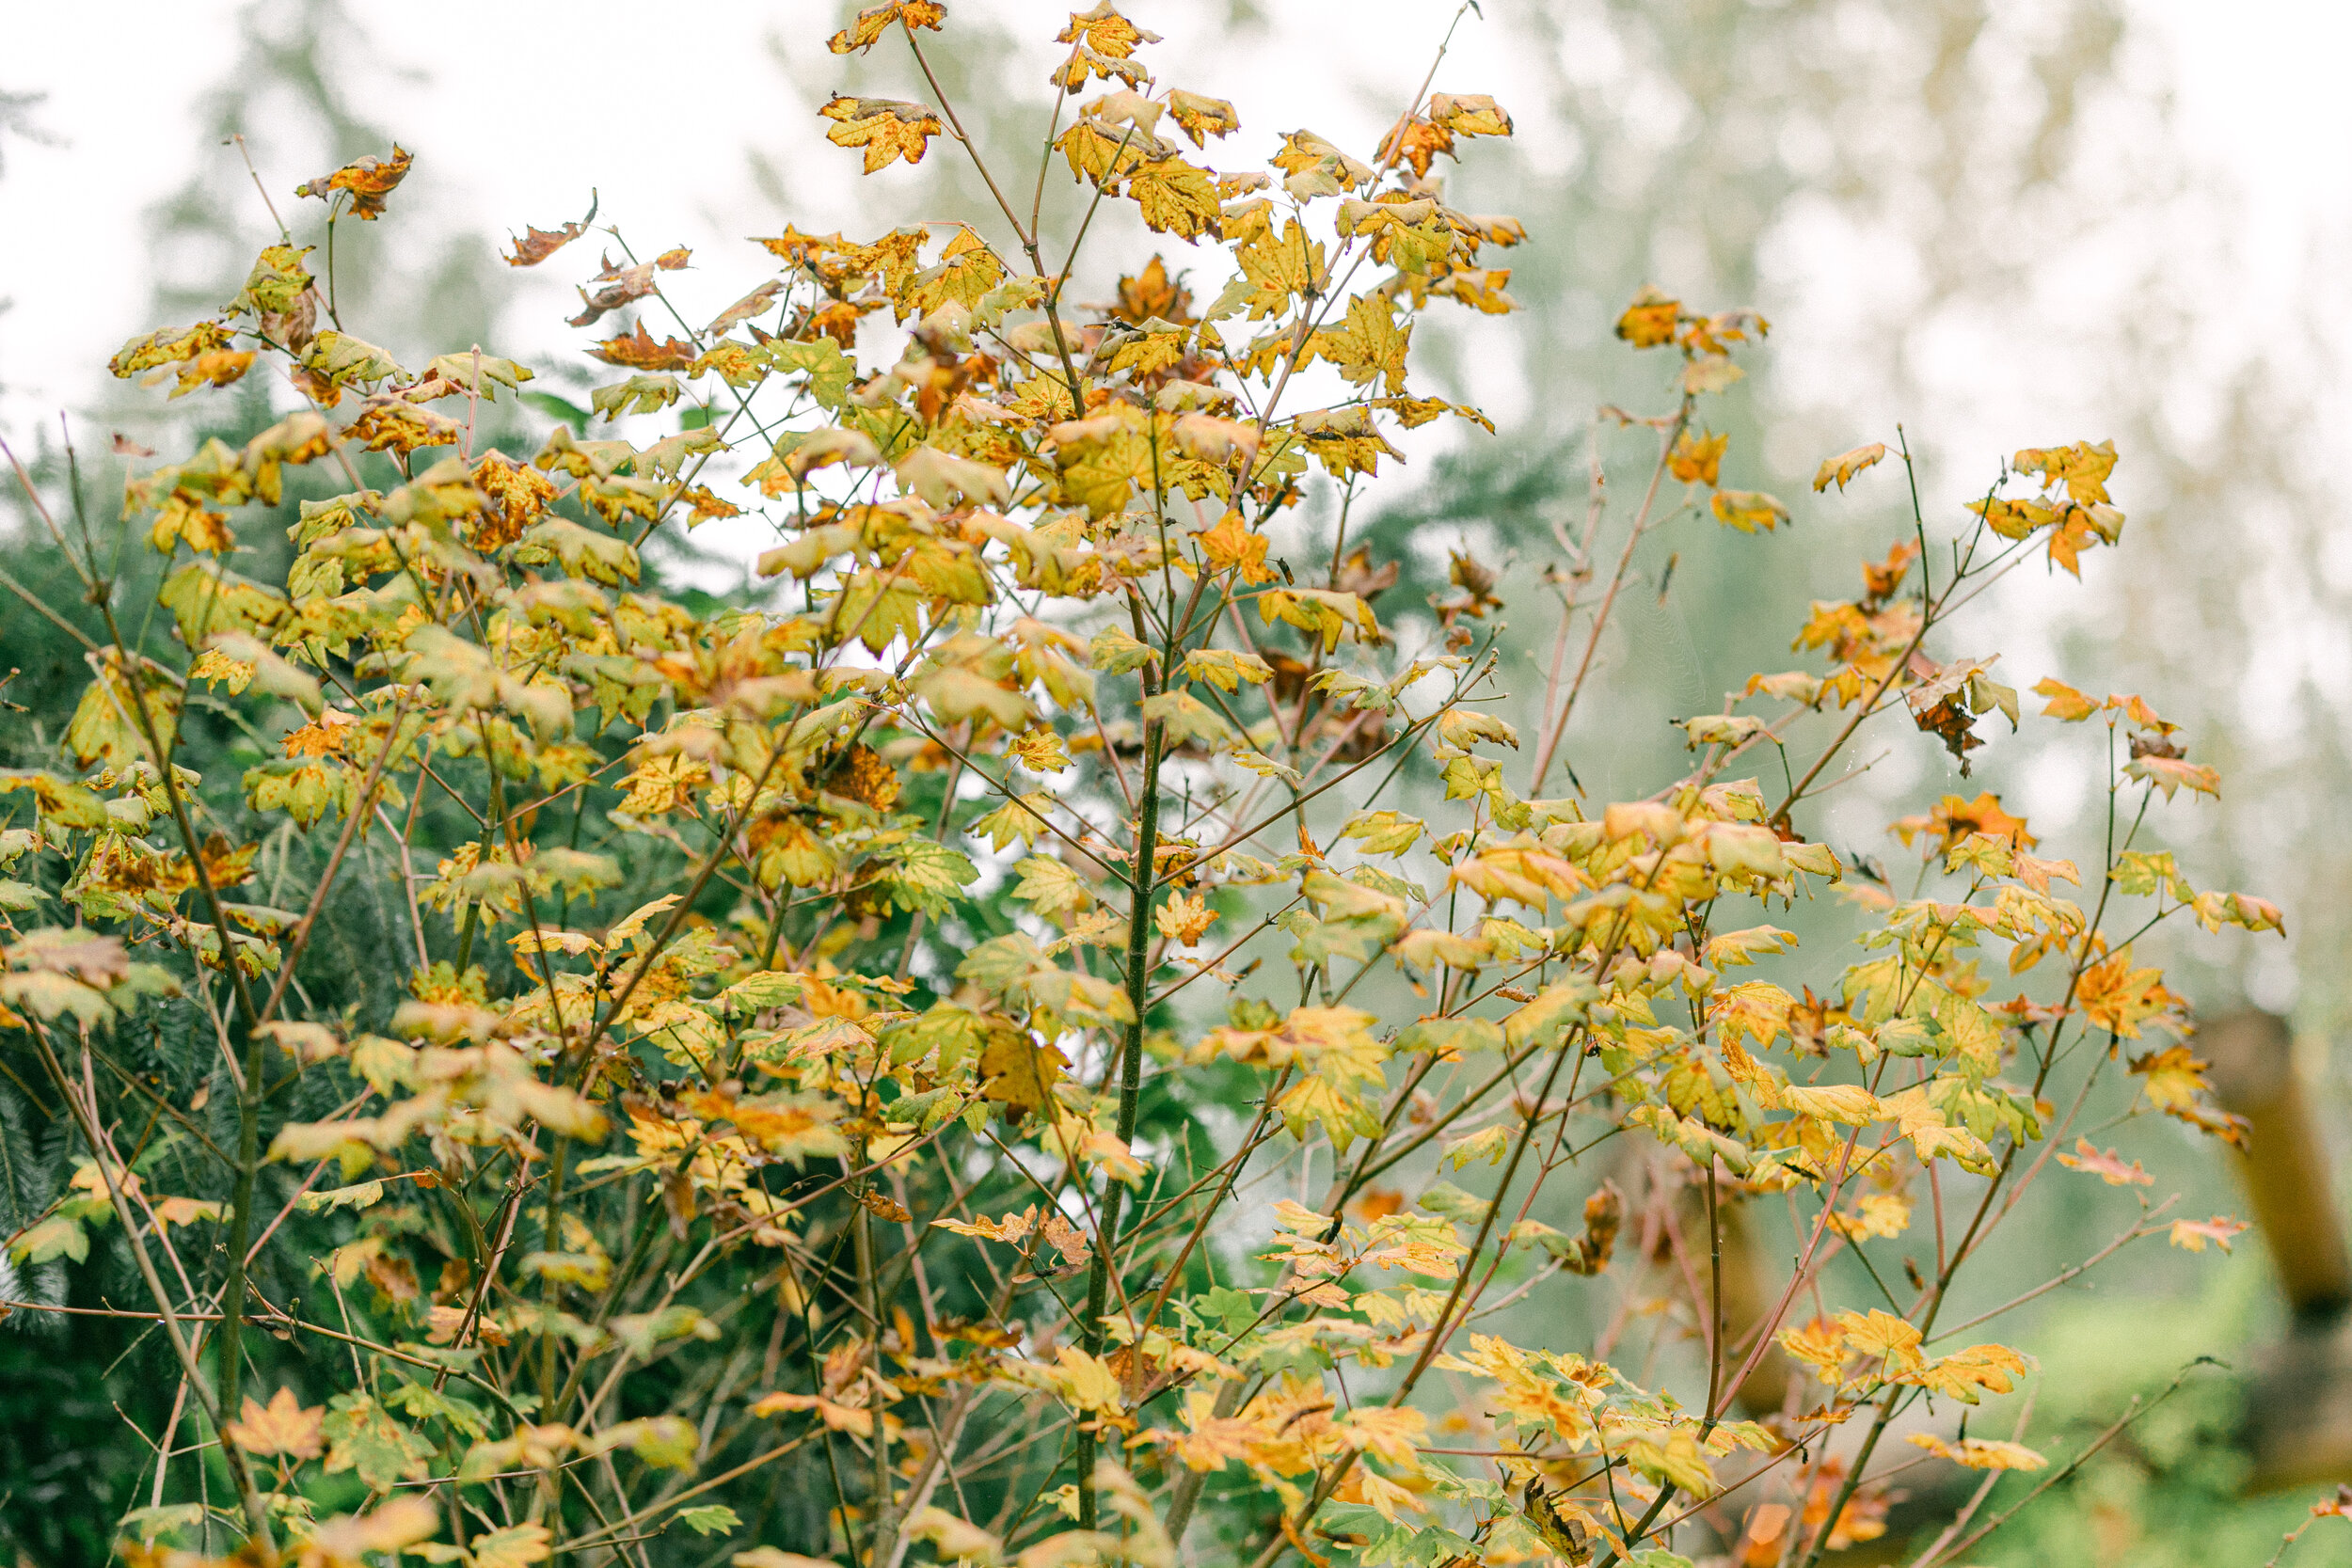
(2260, 89)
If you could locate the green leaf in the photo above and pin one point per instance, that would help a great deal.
(1050, 887)
(1115, 653)
(641, 1331)
(1184, 717)
(582, 551)
(1383, 832)
(339, 358)
(459, 371)
(426, 1404)
(361, 1195)
(711, 1519)
(362, 1437)
(829, 371)
(927, 876)
(516, 1546)
(639, 394)
(149, 1523)
(1001, 963)
(53, 1237)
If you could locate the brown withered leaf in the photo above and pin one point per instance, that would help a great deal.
(1588, 1253)
(886, 128)
(1152, 293)
(537, 245)
(637, 351)
(743, 309)
(1358, 575)
(622, 285)
(883, 1207)
(368, 180)
(867, 28)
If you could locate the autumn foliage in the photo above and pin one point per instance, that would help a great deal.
(1057, 1030)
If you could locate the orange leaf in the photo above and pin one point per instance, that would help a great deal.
(280, 1427)
(2107, 1166)
(369, 181)
(2192, 1235)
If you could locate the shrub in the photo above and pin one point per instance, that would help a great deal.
(804, 1072)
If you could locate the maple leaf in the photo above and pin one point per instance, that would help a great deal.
(367, 182)
(2192, 1235)
(1231, 546)
(1175, 197)
(1695, 458)
(1367, 346)
(1883, 1214)
(1344, 440)
(1019, 1073)
(867, 28)
(214, 368)
(280, 1427)
(537, 245)
(622, 285)
(886, 128)
(2106, 1165)
(2116, 997)
(2169, 773)
(2065, 703)
(1184, 919)
(637, 350)
(1748, 511)
(1953, 819)
(1846, 465)
(1980, 1453)
(1881, 1337)
(2082, 468)
(1650, 319)
(516, 1546)
(1101, 41)
(362, 1437)
(1201, 116)
(168, 346)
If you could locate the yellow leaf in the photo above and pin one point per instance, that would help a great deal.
(1200, 117)
(1367, 346)
(1881, 1337)
(1748, 510)
(1695, 458)
(1980, 1453)
(867, 28)
(1231, 547)
(1184, 919)
(1846, 465)
(1649, 321)
(886, 128)
(2065, 703)
(1174, 198)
